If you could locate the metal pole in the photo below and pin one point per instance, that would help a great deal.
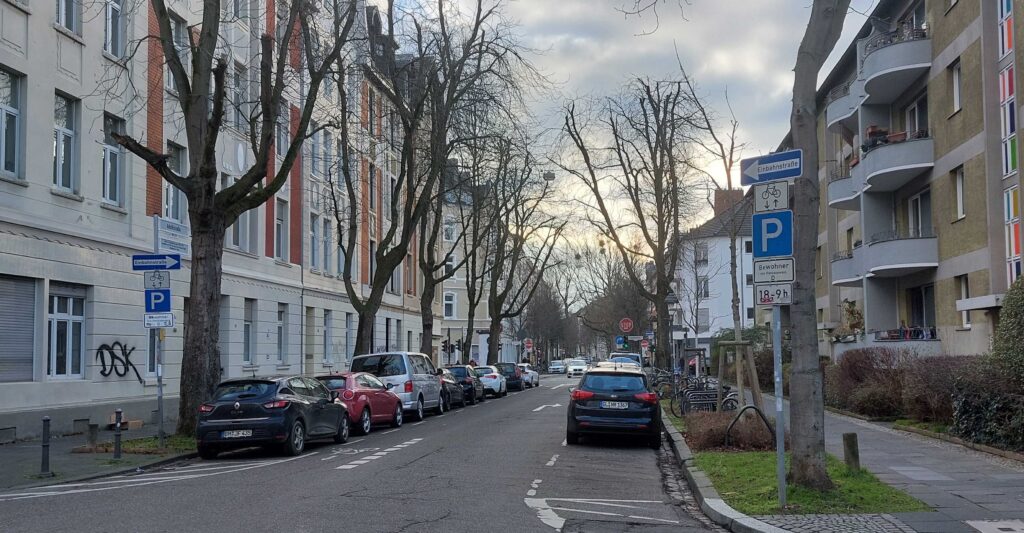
(160, 387)
(780, 421)
(117, 433)
(44, 469)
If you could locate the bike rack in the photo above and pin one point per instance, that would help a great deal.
(728, 430)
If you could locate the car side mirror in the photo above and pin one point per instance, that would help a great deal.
(439, 372)
(389, 386)
(334, 395)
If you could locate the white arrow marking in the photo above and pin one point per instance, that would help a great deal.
(543, 406)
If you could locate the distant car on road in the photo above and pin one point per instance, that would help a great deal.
(575, 367)
(452, 392)
(556, 367)
(472, 387)
(283, 412)
(635, 357)
(369, 400)
(623, 361)
(513, 375)
(530, 376)
(614, 401)
(493, 380)
(412, 376)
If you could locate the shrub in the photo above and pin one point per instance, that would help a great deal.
(875, 399)
(706, 431)
(833, 398)
(928, 385)
(1008, 345)
(988, 407)
(764, 360)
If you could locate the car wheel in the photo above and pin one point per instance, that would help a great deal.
(365, 422)
(571, 437)
(396, 421)
(504, 392)
(418, 415)
(296, 439)
(472, 398)
(464, 401)
(483, 396)
(341, 437)
(207, 452)
(442, 404)
(655, 441)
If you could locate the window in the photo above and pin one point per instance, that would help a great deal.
(964, 290)
(817, 261)
(703, 287)
(956, 84)
(179, 35)
(449, 305)
(283, 129)
(408, 341)
(239, 234)
(703, 320)
(280, 229)
(248, 330)
(1008, 120)
(449, 229)
(341, 253)
(113, 160)
(407, 269)
(916, 118)
(67, 14)
(66, 337)
(1005, 27)
(750, 313)
(750, 280)
(328, 356)
(314, 241)
(154, 345)
(958, 192)
(387, 334)
(314, 149)
(373, 259)
(282, 333)
(240, 97)
(174, 199)
(372, 113)
(240, 9)
(10, 123)
(327, 247)
(327, 162)
(1011, 211)
(373, 186)
(64, 143)
(700, 253)
(748, 247)
(449, 264)
(113, 41)
(348, 336)
(394, 282)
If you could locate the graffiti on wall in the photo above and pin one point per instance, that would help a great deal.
(116, 358)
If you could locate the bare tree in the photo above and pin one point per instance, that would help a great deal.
(638, 183)
(807, 467)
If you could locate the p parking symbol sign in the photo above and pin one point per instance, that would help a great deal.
(773, 234)
(158, 300)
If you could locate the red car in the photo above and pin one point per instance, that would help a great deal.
(369, 401)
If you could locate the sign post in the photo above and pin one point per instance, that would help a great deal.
(780, 420)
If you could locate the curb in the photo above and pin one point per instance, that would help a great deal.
(88, 477)
(1005, 454)
(851, 414)
(711, 503)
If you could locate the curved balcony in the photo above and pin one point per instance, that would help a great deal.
(844, 190)
(841, 106)
(848, 267)
(892, 61)
(892, 254)
(894, 160)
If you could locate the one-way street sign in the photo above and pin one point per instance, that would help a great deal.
(156, 262)
(778, 166)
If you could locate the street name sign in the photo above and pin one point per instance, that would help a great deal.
(773, 234)
(158, 320)
(156, 262)
(171, 237)
(157, 279)
(774, 270)
(771, 167)
(774, 294)
(772, 196)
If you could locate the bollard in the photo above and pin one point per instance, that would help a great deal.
(851, 452)
(44, 469)
(93, 435)
(117, 433)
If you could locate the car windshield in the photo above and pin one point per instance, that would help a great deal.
(577, 362)
(613, 383)
(483, 370)
(333, 382)
(458, 371)
(242, 390)
(380, 365)
(623, 360)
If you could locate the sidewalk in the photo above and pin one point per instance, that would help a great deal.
(20, 461)
(965, 487)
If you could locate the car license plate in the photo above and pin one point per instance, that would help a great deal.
(615, 405)
(236, 433)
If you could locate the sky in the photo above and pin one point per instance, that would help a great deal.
(745, 48)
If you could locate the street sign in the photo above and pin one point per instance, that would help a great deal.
(171, 237)
(649, 334)
(773, 234)
(772, 196)
(644, 344)
(635, 337)
(528, 344)
(158, 300)
(626, 325)
(778, 166)
(773, 270)
(157, 279)
(773, 294)
(156, 262)
(620, 340)
(158, 320)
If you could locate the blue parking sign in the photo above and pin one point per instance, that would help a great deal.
(773, 234)
(158, 300)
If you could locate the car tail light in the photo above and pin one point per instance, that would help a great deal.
(408, 386)
(276, 404)
(348, 394)
(581, 395)
(206, 408)
(647, 397)
(491, 376)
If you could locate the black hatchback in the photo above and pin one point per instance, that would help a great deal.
(472, 387)
(283, 412)
(513, 375)
(614, 401)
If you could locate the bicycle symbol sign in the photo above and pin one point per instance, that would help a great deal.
(771, 196)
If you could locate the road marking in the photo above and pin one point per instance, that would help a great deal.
(417, 423)
(390, 431)
(552, 461)
(378, 455)
(392, 449)
(547, 405)
(546, 512)
(531, 492)
(559, 386)
(564, 442)
(347, 467)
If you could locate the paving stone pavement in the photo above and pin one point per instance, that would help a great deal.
(838, 523)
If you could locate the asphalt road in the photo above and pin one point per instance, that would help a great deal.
(497, 466)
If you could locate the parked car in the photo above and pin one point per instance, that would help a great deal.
(615, 401)
(635, 357)
(283, 412)
(530, 376)
(575, 367)
(620, 360)
(513, 375)
(452, 392)
(557, 367)
(412, 376)
(493, 380)
(472, 387)
(369, 400)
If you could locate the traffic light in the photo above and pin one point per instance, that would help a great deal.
(446, 346)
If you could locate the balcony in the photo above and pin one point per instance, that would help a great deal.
(844, 190)
(841, 106)
(848, 267)
(891, 62)
(892, 254)
(890, 161)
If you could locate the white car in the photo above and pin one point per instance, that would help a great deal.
(494, 382)
(575, 367)
(530, 376)
(557, 367)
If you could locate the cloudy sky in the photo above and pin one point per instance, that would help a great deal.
(747, 47)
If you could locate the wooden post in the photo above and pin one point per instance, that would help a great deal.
(721, 376)
(738, 357)
(851, 451)
(755, 385)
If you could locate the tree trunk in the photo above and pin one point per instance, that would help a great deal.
(663, 336)
(493, 339)
(427, 315)
(364, 330)
(200, 362)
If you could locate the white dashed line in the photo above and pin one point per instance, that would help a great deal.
(378, 455)
(552, 461)
(390, 431)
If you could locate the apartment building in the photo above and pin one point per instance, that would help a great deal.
(919, 221)
(74, 208)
